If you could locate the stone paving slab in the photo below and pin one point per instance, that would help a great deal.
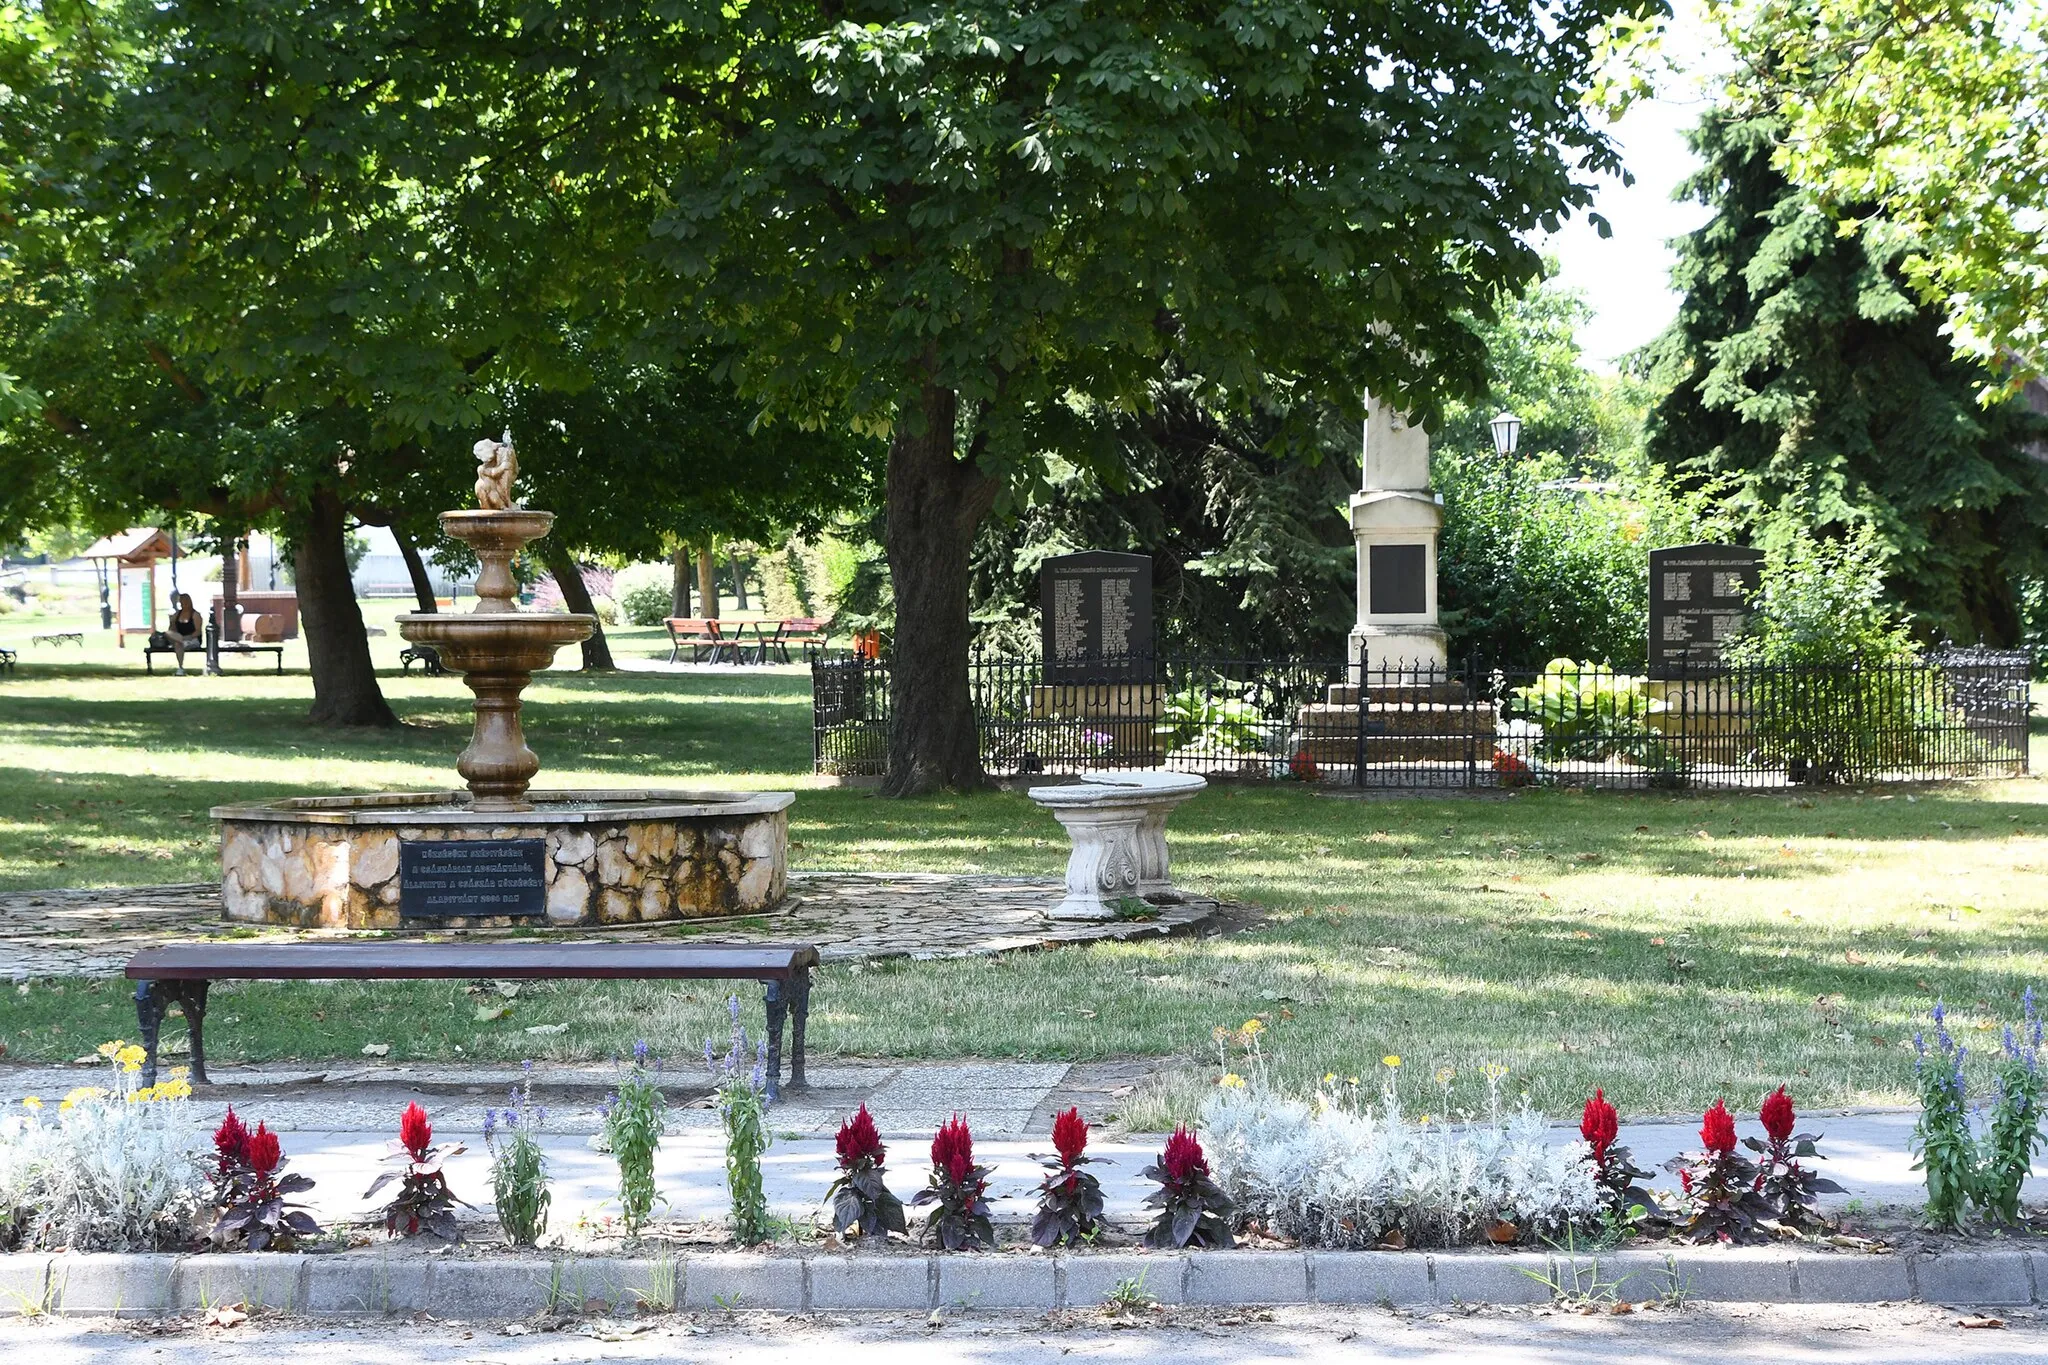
(397, 1281)
(851, 916)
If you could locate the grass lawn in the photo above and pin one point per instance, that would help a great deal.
(1669, 948)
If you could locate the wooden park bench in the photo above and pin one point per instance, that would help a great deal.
(806, 632)
(701, 635)
(213, 653)
(181, 974)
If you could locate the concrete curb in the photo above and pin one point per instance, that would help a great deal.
(394, 1283)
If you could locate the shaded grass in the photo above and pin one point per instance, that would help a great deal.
(1669, 948)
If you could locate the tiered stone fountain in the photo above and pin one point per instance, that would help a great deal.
(501, 854)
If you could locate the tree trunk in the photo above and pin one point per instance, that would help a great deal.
(679, 585)
(416, 569)
(230, 583)
(935, 502)
(707, 584)
(739, 579)
(597, 651)
(345, 690)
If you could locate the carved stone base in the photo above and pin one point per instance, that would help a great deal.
(1117, 823)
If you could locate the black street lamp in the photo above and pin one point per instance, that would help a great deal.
(1507, 433)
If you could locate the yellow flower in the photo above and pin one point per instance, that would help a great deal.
(32, 1102)
(77, 1096)
(1231, 1081)
(130, 1057)
(1496, 1071)
(179, 1073)
(1351, 1080)
(1424, 1119)
(109, 1049)
(1329, 1078)
(1390, 1060)
(1444, 1075)
(1253, 1028)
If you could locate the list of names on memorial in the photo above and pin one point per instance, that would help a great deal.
(1699, 600)
(1097, 616)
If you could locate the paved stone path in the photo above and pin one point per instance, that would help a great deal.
(851, 916)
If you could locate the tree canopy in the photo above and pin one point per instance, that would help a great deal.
(1813, 389)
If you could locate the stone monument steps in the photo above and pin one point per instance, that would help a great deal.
(1447, 692)
(1342, 750)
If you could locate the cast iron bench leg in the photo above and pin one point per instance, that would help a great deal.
(152, 998)
(776, 1004)
(800, 1012)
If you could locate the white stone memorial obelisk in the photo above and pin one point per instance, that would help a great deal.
(1396, 520)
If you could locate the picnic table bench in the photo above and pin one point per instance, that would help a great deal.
(700, 633)
(181, 973)
(60, 637)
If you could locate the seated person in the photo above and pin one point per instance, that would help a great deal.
(185, 629)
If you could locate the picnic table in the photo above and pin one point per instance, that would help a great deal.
(737, 640)
(181, 973)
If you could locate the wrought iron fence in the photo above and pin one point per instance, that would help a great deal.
(1953, 713)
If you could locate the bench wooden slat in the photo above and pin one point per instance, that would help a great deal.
(510, 961)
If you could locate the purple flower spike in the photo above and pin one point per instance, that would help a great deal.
(641, 1050)
(490, 1122)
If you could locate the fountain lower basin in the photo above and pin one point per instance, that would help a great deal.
(608, 857)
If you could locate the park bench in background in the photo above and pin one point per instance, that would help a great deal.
(426, 656)
(700, 635)
(182, 973)
(60, 637)
(808, 632)
(6, 661)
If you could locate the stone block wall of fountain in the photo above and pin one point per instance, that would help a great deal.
(500, 854)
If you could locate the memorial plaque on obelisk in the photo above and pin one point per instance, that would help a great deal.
(1095, 613)
(1699, 600)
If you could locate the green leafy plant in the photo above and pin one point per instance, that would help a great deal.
(519, 1168)
(740, 1083)
(634, 1116)
(1193, 1209)
(958, 1192)
(1587, 710)
(424, 1203)
(1069, 1198)
(251, 1192)
(1942, 1143)
(1211, 718)
(1788, 1185)
(2014, 1132)
(860, 1200)
(1718, 1199)
(645, 593)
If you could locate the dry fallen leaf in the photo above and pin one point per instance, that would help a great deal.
(1502, 1233)
(1980, 1322)
(1393, 1240)
(547, 1028)
(486, 1014)
(230, 1315)
(376, 1049)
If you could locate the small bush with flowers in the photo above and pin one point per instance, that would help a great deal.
(519, 1168)
(113, 1169)
(250, 1191)
(1963, 1167)
(1341, 1170)
(1615, 1172)
(860, 1202)
(1193, 1209)
(1789, 1186)
(1719, 1198)
(634, 1117)
(1069, 1198)
(958, 1192)
(740, 1083)
(424, 1203)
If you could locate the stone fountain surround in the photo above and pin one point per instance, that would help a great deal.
(614, 857)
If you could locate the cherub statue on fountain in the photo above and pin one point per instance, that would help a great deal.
(497, 465)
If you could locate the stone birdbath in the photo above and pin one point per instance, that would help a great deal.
(1117, 822)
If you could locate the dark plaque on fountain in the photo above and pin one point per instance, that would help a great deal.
(473, 877)
(1095, 612)
(1699, 600)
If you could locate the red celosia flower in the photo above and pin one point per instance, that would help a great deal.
(1070, 1136)
(262, 1151)
(1777, 1116)
(1303, 766)
(859, 1141)
(1599, 1125)
(231, 1139)
(1717, 1131)
(1183, 1156)
(414, 1132)
(1685, 1179)
(953, 1149)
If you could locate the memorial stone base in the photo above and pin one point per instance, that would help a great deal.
(611, 857)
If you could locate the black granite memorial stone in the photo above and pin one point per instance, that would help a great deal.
(454, 877)
(1699, 600)
(1095, 610)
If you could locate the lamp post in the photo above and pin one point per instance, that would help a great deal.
(1507, 433)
